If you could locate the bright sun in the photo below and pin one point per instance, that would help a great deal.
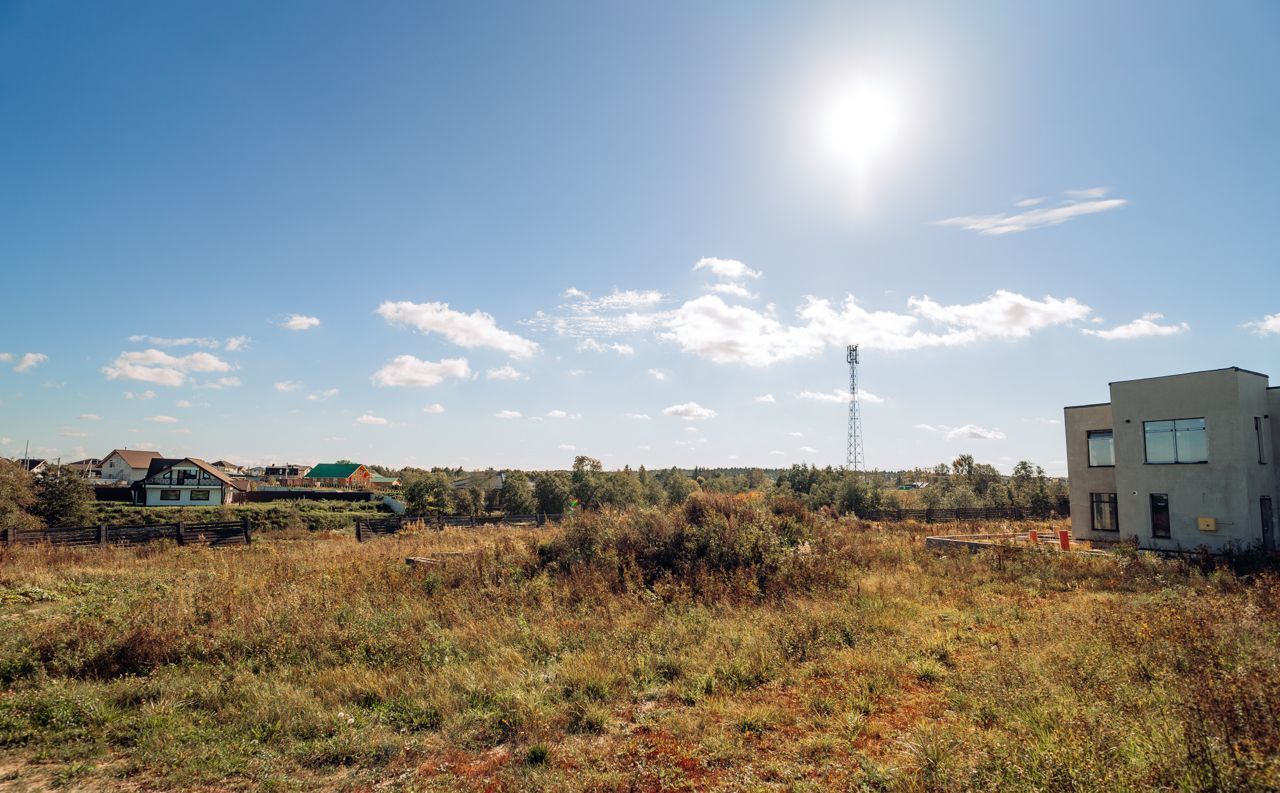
(858, 124)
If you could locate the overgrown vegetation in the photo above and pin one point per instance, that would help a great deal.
(731, 643)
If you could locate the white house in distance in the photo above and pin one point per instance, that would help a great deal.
(185, 482)
(127, 465)
(1178, 462)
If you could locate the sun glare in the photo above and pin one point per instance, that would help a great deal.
(859, 124)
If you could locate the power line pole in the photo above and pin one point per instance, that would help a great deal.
(853, 450)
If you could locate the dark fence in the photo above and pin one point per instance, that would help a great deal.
(114, 494)
(951, 515)
(368, 528)
(260, 496)
(232, 532)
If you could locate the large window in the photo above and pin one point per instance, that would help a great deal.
(170, 495)
(1177, 441)
(199, 495)
(1103, 508)
(1102, 448)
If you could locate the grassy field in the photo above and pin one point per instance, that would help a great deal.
(727, 646)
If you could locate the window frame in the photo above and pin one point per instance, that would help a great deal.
(1088, 436)
(1146, 454)
(1111, 499)
(199, 495)
(170, 495)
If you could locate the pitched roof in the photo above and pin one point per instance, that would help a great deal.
(135, 458)
(160, 465)
(384, 480)
(333, 470)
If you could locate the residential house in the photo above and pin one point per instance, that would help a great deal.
(1177, 462)
(184, 482)
(380, 482)
(228, 468)
(345, 475)
(34, 466)
(289, 475)
(127, 465)
(89, 468)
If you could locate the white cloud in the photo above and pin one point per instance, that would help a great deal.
(1038, 218)
(90, 417)
(143, 395)
(507, 414)
(575, 293)
(728, 269)
(319, 396)
(299, 322)
(369, 418)
(476, 329)
(777, 452)
(617, 300)
(576, 372)
(183, 403)
(734, 290)
(636, 416)
(657, 374)
(186, 341)
(154, 366)
(796, 434)
(6, 441)
(406, 370)
(6, 357)
(1146, 325)
(965, 432)
(560, 414)
(162, 419)
(30, 361)
(504, 373)
(288, 385)
(568, 447)
(689, 411)
(1266, 325)
(434, 408)
(808, 449)
(236, 343)
(591, 345)
(767, 399)
(1028, 202)
(838, 396)
(1088, 192)
(221, 383)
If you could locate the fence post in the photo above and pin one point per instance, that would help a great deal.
(359, 533)
(182, 533)
(102, 534)
(7, 536)
(928, 515)
(244, 526)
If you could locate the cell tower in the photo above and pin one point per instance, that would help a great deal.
(853, 452)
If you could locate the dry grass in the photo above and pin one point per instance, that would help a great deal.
(616, 655)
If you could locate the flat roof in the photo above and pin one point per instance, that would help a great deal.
(1184, 374)
(1094, 405)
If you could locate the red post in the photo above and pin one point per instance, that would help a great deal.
(1064, 539)
(1033, 537)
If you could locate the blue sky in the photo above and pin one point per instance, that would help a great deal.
(496, 209)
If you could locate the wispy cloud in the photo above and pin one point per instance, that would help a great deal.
(689, 411)
(733, 290)
(434, 408)
(161, 368)
(29, 361)
(728, 269)
(143, 395)
(372, 420)
(288, 385)
(407, 371)
(838, 396)
(507, 414)
(636, 416)
(562, 414)
(185, 341)
(1146, 325)
(1078, 204)
(1267, 325)
(320, 396)
(476, 329)
(964, 432)
(767, 399)
(299, 322)
(162, 419)
(90, 417)
(591, 345)
(504, 373)
(657, 374)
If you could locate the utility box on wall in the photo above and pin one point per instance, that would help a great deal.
(1207, 524)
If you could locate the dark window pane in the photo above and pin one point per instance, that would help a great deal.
(1160, 515)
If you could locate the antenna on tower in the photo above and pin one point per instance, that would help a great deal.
(853, 451)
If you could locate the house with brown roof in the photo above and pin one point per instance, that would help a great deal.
(189, 481)
(127, 465)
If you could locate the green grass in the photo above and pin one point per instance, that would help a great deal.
(732, 646)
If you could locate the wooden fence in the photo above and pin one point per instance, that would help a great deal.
(368, 528)
(232, 532)
(952, 515)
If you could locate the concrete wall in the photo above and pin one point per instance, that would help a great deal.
(1078, 421)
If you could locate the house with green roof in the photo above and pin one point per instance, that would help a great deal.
(353, 475)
